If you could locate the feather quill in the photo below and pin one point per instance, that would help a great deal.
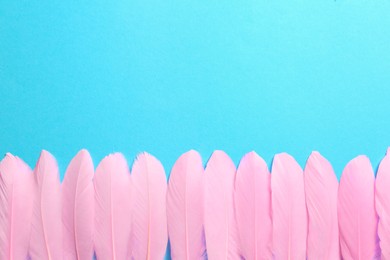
(46, 232)
(16, 204)
(321, 187)
(78, 208)
(252, 199)
(150, 234)
(219, 219)
(112, 208)
(185, 208)
(382, 204)
(289, 208)
(356, 211)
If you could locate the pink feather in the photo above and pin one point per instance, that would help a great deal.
(357, 217)
(288, 208)
(253, 207)
(112, 208)
(16, 204)
(321, 187)
(382, 204)
(185, 208)
(46, 233)
(78, 207)
(219, 219)
(150, 235)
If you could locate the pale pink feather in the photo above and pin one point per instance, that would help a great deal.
(253, 207)
(78, 208)
(382, 204)
(356, 211)
(289, 209)
(219, 219)
(46, 226)
(150, 234)
(185, 208)
(112, 208)
(321, 187)
(16, 204)
(252, 199)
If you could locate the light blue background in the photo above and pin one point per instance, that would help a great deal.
(168, 76)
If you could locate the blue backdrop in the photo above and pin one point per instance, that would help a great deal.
(168, 76)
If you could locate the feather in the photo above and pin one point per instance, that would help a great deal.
(252, 200)
(382, 204)
(46, 233)
(185, 208)
(289, 214)
(150, 234)
(112, 208)
(357, 217)
(16, 204)
(219, 220)
(321, 187)
(78, 207)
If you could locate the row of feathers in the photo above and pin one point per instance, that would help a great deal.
(216, 213)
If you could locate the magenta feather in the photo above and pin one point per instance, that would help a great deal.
(150, 235)
(321, 187)
(46, 232)
(289, 208)
(16, 204)
(78, 208)
(185, 208)
(252, 199)
(382, 204)
(356, 212)
(219, 219)
(112, 208)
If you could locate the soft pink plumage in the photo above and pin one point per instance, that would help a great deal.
(150, 234)
(16, 204)
(356, 212)
(185, 208)
(252, 199)
(382, 204)
(46, 226)
(289, 209)
(78, 208)
(219, 220)
(321, 187)
(112, 208)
